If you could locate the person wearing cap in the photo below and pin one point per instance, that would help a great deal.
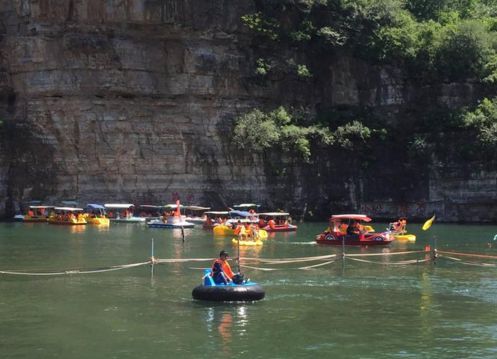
(221, 270)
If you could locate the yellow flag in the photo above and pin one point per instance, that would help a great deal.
(428, 223)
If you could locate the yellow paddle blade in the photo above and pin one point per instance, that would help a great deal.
(428, 223)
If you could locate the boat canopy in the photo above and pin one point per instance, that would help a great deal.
(151, 206)
(222, 213)
(95, 206)
(274, 214)
(246, 205)
(173, 206)
(40, 207)
(68, 209)
(357, 217)
(197, 208)
(242, 214)
(118, 205)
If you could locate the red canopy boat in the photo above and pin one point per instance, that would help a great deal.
(276, 222)
(339, 233)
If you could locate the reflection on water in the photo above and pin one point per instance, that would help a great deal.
(77, 228)
(101, 227)
(347, 309)
(179, 233)
(425, 304)
(247, 251)
(281, 235)
(229, 323)
(225, 329)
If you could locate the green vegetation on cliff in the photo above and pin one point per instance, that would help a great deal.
(258, 131)
(423, 35)
(431, 42)
(483, 121)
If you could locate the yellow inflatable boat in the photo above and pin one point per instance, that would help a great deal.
(405, 237)
(248, 243)
(226, 231)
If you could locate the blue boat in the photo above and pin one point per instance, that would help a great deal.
(247, 291)
(171, 222)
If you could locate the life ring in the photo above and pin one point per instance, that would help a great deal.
(229, 293)
(330, 237)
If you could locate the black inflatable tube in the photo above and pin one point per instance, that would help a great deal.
(237, 293)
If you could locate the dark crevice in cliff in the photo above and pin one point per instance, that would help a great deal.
(31, 170)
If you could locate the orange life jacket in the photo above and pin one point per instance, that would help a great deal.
(225, 266)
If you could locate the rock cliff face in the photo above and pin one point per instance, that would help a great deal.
(131, 100)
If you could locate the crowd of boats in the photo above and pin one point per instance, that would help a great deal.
(243, 222)
(166, 216)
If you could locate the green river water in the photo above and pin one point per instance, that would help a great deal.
(345, 309)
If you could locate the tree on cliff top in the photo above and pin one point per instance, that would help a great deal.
(259, 131)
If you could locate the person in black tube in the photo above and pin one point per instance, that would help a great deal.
(221, 270)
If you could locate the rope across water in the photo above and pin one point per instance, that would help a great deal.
(322, 261)
(77, 271)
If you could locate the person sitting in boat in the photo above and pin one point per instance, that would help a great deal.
(237, 227)
(249, 233)
(252, 215)
(271, 223)
(221, 270)
(353, 228)
(255, 231)
(399, 226)
(241, 231)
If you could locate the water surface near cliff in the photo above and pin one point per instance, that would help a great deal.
(345, 310)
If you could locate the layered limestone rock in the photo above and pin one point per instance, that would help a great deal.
(132, 100)
(122, 100)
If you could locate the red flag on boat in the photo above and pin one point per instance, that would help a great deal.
(177, 213)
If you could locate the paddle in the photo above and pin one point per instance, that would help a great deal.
(428, 223)
(425, 227)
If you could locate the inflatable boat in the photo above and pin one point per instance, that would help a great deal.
(405, 237)
(257, 242)
(245, 292)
